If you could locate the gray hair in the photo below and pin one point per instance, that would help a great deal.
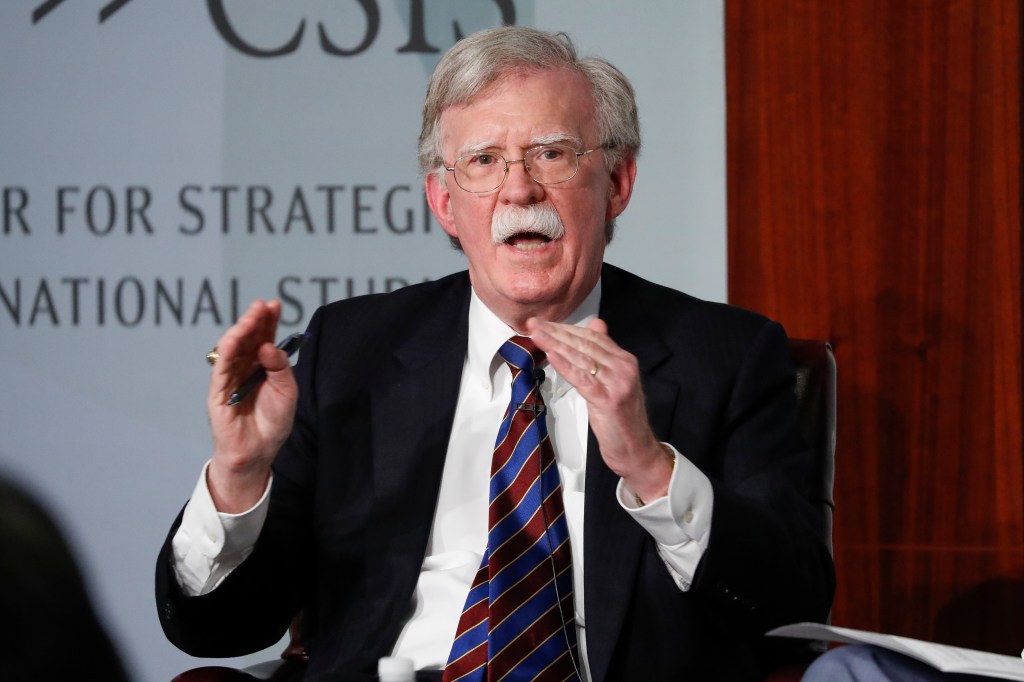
(480, 60)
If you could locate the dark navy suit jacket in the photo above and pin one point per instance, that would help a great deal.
(356, 485)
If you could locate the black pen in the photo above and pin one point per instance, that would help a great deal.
(290, 346)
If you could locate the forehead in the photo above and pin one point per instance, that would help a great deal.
(521, 108)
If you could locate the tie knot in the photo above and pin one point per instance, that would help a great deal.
(521, 353)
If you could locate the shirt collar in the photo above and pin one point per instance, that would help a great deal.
(487, 332)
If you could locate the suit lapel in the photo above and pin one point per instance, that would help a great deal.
(412, 411)
(613, 542)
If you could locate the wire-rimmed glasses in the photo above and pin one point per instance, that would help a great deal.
(547, 164)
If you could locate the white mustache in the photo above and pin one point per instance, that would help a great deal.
(537, 218)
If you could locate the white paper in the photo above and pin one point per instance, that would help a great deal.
(948, 659)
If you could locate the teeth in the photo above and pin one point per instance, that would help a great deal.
(527, 241)
(528, 247)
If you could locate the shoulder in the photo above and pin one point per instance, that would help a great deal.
(361, 337)
(444, 297)
(675, 315)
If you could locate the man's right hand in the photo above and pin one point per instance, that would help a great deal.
(247, 436)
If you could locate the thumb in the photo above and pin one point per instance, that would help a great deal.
(272, 359)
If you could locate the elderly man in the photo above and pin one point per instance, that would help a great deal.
(542, 468)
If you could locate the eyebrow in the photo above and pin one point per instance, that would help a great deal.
(553, 138)
(557, 138)
(478, 147)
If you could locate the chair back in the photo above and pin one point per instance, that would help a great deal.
(815, 366)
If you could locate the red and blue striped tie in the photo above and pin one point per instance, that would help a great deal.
(518, 622)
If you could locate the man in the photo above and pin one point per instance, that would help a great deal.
(671, 419)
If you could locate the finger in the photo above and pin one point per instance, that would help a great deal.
(265, 353)
(239, 346)
(592, 339)
(255, 328)
(562, 352)
(578, 377)
(585, 349)
(574, 366)
(599, 326)
(269, 320)
(272, 358)
(240, 338)
(581, 363)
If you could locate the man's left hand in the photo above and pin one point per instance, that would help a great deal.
(608, 378)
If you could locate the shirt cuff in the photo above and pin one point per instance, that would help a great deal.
(210, 544)
(680, 522)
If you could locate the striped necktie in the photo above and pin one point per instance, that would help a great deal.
(518, 622)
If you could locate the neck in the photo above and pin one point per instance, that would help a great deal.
(515, 314)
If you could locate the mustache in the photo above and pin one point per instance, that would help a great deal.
(539, 219)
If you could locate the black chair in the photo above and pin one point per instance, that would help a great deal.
(815, 389)
(816, 397)
(815, 367)
(290, 667)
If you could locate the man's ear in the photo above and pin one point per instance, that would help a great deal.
(440, 201)
(621, 189)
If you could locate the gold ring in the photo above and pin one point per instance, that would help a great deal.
(594, 370)
(213, 356)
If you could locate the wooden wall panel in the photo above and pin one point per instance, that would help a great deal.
(874, 200)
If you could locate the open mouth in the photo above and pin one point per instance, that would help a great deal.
(527, 241)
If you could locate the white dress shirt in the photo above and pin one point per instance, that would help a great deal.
(209, 545)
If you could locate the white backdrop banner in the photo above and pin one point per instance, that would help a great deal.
(164, 163)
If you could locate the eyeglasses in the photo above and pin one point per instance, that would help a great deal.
(548, 164)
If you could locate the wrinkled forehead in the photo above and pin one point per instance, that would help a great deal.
(523, 108)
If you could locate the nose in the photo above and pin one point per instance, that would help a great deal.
(519, 187)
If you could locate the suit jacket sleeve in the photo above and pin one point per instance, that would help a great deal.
(254, 605)
(719, 387)
(766, 564)
(354, 487)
